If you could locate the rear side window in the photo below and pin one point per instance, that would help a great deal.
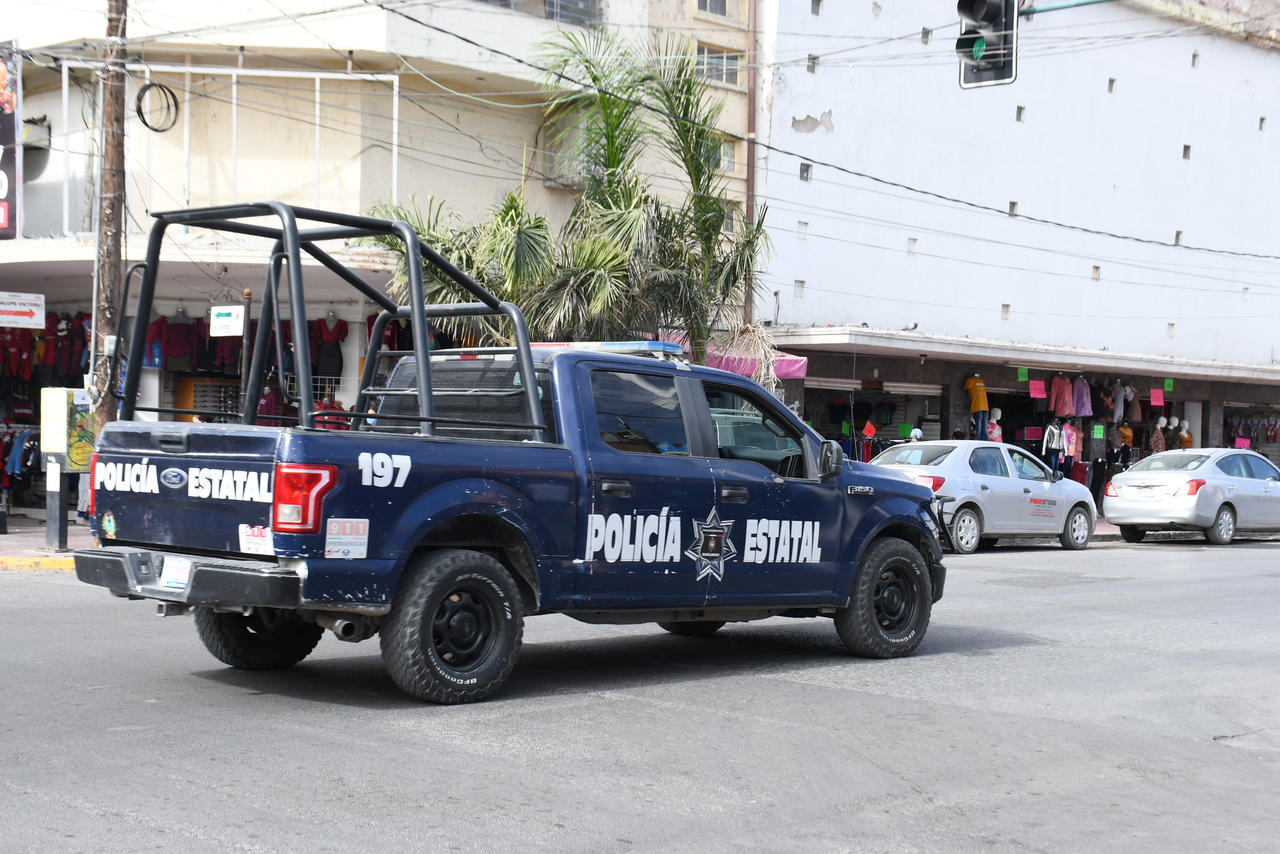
(1260, 468)
(1233, 465)
(988, 461)
(913, 454)
(639, 413)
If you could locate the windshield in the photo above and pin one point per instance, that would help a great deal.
(914, 454)
(1170, 462)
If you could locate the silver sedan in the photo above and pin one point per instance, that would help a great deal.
(1215, 490)
(988, 490)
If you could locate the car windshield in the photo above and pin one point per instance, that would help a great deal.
(1170, 462)
(913, 454)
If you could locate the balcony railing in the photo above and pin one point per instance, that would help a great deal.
(583, 13)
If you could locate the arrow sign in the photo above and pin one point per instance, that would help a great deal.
(25, 311)
(226, 321)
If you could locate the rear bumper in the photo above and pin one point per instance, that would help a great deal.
(140, 573)
(1160, 512)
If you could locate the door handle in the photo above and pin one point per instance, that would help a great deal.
(985, 488)
(621, 488)
(733, 494)
(1026, 491)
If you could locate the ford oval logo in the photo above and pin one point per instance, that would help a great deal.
(173, 478)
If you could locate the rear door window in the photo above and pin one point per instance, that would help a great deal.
(988, 461)
(1260, 468)
(639, 413)
(1233, 465)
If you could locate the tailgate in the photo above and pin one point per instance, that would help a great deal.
(201, 487)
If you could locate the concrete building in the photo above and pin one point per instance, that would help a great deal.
(329, 105)
(1109, 215)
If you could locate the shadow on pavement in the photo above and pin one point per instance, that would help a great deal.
(558, 668)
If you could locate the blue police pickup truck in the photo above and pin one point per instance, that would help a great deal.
(479, 486)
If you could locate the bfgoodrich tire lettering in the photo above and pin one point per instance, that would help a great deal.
(888, 612)
(455, 627)
(266, 639)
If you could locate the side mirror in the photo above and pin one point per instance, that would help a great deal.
(830, 459)
(1057, 476)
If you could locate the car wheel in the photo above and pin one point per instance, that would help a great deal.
(1130, 534)
(966, 531)
(1223, 527)
(265, 639)
(455, 627)
(693, 628)
(888, 611)
(1075, 534)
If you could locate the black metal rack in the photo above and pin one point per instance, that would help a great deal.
(290, 242)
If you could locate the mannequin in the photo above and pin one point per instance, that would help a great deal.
(1126, 434)
(977, 403)
(916, 434)
(1185, 439)
(1171, 433)
(995, 432)
(1070, 446)
(1051, 445)
(1156, 443)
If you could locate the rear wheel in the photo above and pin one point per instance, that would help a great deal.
(966, 531)
(1130, 534)
(888, 612)
(693, 628)
(455, 627)
(1223, 528)
(1075, 534)
(265, 639)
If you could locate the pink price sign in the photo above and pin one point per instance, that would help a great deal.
(1036, 387)
(1242, 442)
(1157, 397)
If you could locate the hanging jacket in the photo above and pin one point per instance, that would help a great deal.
(1082, 396)
(1052, 439)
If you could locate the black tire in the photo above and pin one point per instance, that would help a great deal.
(693, 628)
(455, 627)
(966, 531)
(888, 612)
(266, 639)
(1077, 532)
(1223, 528)
(1130, 534)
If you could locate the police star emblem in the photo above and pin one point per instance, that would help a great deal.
(711, 546)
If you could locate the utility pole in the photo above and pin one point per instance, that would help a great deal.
(109, 270)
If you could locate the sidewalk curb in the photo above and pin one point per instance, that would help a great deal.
(49, 564)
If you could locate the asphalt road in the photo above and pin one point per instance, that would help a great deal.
(1124, 698)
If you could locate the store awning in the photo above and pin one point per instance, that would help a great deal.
(785, 365)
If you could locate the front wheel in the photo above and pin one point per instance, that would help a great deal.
(1130, 534)
(1223, 527)
(966, 531)
(888, 612)
(455, 627)
(1075, 534)
(265, 639)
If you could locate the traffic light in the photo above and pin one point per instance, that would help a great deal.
(988, 43)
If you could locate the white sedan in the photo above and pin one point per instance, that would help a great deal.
(989, 490)
(1215, 490)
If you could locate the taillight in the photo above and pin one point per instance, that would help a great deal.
(1192, 487)
(93, 481)
(297, 495)
(932, 481)
(1110, 490)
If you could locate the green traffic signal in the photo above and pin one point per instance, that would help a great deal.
(978, 48)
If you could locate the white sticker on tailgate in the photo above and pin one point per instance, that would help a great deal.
(256, 540)
(175, 572)
(346, 539)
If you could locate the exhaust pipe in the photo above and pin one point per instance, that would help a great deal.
(344, 629)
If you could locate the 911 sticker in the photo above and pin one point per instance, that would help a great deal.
(256, 540)
(346, 539)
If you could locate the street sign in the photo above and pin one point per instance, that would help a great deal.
(226, 321)
(25, 311)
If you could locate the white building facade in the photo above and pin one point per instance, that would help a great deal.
(1111, 214)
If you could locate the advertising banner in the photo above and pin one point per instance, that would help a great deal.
(10, 168)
